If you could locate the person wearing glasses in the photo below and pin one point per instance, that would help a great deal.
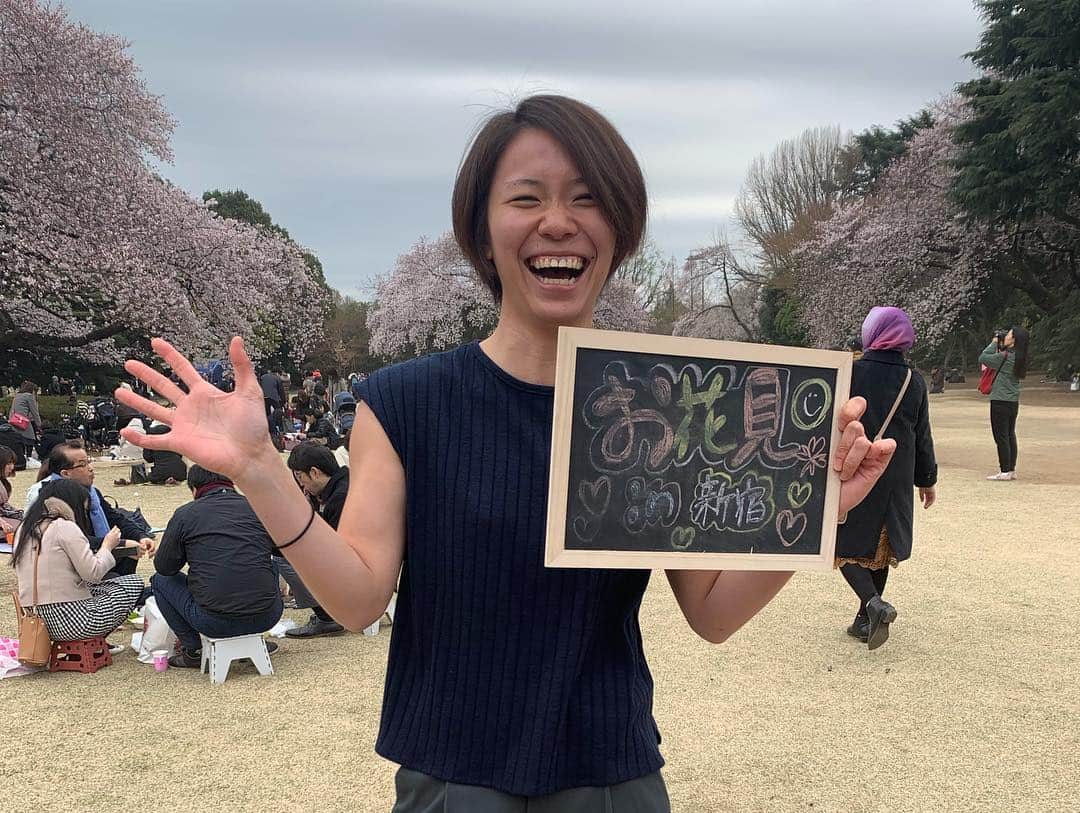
(75, 595)
(70, 461)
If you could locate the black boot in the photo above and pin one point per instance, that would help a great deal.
(860, 628)
(881, 613)
(315, 627)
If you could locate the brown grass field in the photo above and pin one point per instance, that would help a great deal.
(972, 705)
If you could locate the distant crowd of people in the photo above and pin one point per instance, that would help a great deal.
(216, 570)
(321, 411)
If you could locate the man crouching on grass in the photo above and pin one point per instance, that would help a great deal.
(230, 588)
(321, 477)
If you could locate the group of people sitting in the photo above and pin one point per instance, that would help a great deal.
(67, 386)
(307, 415)
(165, 467)
(75, 555)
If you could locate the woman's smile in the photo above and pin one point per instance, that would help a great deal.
(563, 271)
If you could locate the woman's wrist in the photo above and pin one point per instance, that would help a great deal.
(263, 468)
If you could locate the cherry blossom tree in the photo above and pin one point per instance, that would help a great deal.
(434, 299)
(905, 244)
(722, 294)
(95, 248)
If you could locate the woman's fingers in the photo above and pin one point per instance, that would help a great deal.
(853, 430)
(151, 409)
(858, 450)
(874, 462)
(178, 362)
(852, 410)
(154, 380)
(243, 369)
(881, 453)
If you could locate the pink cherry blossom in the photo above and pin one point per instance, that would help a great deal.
(434, 298)
(93, 243)
(906, 244)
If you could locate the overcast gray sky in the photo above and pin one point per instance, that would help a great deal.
(347, 119)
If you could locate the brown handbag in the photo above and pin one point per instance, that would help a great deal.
(35, 646)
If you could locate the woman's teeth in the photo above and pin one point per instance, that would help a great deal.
(567, 263)
(562, 271)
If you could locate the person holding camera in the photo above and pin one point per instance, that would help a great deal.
(1007, 355)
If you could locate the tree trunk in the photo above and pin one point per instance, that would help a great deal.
(20, 339)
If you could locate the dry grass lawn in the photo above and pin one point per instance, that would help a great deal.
(972, 705)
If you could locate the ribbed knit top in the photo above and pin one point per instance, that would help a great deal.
(501, 672)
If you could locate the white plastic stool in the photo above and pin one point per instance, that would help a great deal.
(373, 629)
(391, 608)
(219, 653)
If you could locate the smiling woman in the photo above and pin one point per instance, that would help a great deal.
(508, 684)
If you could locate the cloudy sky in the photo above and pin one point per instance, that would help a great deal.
(347, 119)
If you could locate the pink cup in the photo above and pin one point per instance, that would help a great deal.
(161, 660)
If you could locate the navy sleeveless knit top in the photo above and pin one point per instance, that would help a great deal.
(501, 672)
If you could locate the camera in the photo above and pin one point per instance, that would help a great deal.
(1000, 334)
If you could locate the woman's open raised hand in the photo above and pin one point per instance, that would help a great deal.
(222, 432)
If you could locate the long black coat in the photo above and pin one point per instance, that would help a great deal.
(877, 377)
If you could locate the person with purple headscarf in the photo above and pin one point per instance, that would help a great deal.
(887, 328)
(878, 532)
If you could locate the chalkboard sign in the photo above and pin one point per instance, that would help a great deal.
(694, 454)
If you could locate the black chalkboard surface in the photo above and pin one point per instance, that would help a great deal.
(690, 453)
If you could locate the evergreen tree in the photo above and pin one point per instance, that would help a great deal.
(1019, 162)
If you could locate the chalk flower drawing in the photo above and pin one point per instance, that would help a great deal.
(812, 455)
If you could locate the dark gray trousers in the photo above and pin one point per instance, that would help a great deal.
(420, 793)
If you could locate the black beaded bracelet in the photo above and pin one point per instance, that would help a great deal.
(300, 535)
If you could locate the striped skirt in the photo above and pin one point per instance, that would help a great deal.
(110, 603)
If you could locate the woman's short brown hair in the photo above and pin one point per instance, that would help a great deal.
(607, 165)
(28, 386)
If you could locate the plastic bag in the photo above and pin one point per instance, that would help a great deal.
(157, 634)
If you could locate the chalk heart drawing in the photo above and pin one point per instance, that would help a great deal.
(586, 528)
(790, 526)
(682, 538)
(798, 494)
(595, 496)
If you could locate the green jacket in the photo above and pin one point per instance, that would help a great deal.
(1006, 385)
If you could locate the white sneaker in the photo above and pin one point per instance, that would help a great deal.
(1001, 475)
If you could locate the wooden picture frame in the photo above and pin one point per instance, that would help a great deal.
(578, 505)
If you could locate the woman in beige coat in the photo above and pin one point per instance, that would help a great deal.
(72, 597)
